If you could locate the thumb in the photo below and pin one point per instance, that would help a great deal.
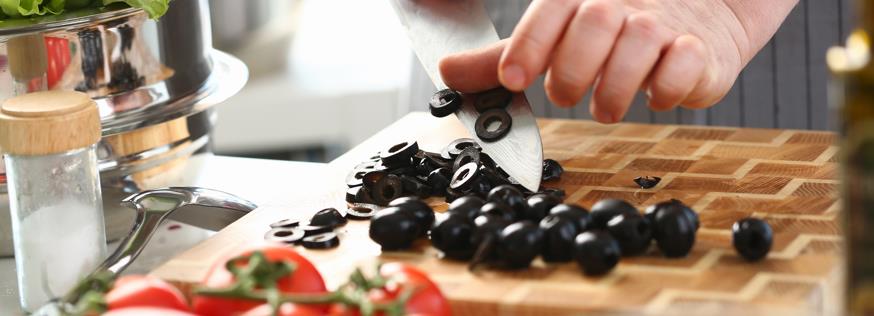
(474, 70)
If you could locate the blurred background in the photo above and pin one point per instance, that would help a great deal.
(316, 87)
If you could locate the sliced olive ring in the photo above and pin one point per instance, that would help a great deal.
(310, 230)
(647, 182)
(359, 213)
(285, 235)
(387, 189)
(286, 223)
(456, 147)
(445, 102)
(468, 155)
(321, 241)
(400, 154)
(464, 178)
(493, 125)
(497, 98)
(328, 217)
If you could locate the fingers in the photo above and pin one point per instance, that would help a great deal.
(679, 71)
(585, 46)
(533, 40)
(473, 71)
(636, 52)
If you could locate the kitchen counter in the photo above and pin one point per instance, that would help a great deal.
(236, 175)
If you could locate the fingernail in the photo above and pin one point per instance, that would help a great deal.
(604, 117)
(513, 77)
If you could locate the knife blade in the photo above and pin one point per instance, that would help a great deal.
(437, 28)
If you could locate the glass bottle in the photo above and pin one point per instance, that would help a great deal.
(48, 139)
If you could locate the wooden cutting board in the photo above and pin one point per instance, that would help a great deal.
(787, 177)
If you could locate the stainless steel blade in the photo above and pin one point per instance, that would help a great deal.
(437, 28)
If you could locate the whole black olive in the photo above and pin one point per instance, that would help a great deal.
(399, 155)
(752, 238)
(420, 210)
(596, 252)
(674, 232)
(558, 238)
(577, 214)
(552, 170)
(328, 217)
(605, 210)
(632, 231)
(653, 210)
(453, 235)
(519, 244)
(499, 209)
(488, 225)
(509, 195)
(438, 180)
(539, 206)
(445, 102)
(394, 229)
(468, 206)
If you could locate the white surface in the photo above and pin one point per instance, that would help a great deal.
(233, 175)
(348, 64)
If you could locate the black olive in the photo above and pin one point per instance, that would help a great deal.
(413, 186)
(328, 217)
(451, 195)
(321, 241)
(752, 238)
(453, 235)
(538, 205)
(370, 179)
(387, 189)
(499, 209)
(552, 170)
(558, 238)
(286, 223)
(493, 125)
(509, 195)
(468, 206)
(653, 210)
(576, 213)
(420, 210)
(394, 229)
(445, 102)
(596, 252)
(605, 210)
(429, 163)
(488, 226)
(285, 235)
(354, 178)
(674, 232)
(468, 155)
(632, 231)
(409, 171)
(455, 147)
(352, 194)
(481, 188)
(310, 230)
(497, 98)
(494, 176)
(400, 154)
(363, 196)
(647, 182)
(439, 180)
(465, 177)
(359, 213)
(557, 193)
(519, 244)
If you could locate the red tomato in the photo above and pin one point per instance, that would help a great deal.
(305, 279)
(286, 309)
(147, 311)
(427, 301)
(144, 291)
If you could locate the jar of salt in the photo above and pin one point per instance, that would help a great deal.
(48, 140)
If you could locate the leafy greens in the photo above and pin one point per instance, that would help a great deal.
(34, 8)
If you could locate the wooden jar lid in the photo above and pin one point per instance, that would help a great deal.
(48, 122)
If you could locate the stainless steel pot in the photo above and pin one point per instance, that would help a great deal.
(153, 81)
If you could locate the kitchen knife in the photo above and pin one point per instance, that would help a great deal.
(437, 28)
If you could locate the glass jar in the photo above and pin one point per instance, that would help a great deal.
(54, 187)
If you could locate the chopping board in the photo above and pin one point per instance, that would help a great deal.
(787, 177)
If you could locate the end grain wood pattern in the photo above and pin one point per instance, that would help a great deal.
(786, 177)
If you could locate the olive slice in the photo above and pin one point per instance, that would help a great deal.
(321, 241)
(497, 98)
(444, 102)
(328, 217)
(359, 213)
(285, 235)
(468, 155)
(493, 125)
(310, 230)
(457, 146)
(286, 223)
(464, 178)
(400, 154)
(387, 189)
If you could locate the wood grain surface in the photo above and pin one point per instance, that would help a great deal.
(784, 176)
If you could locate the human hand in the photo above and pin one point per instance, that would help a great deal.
(681, 52)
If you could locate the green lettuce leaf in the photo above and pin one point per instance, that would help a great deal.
(154, 8)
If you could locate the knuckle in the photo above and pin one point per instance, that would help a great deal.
(645, 24)
(598, 12)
